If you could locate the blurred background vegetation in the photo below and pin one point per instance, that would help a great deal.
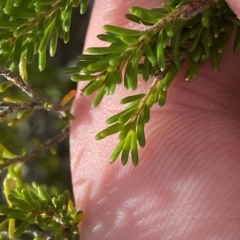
(52, 168)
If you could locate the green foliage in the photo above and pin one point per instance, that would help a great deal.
(32, 27)
(190, 32)
(31, 205)
(180, 31)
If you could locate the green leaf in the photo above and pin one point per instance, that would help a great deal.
(192, 71)
(160, 53)
(175, 47)
(152, 96)
(162, 97)
(136, 19)
(83, 6)
(67, 17)
(42, 194)
(40, 30)
(126, 148)
(126, 116)
(21, 228)
(19, 31)
(205, 47)
(215, 26)
(5, 85)
(206, 15)
(191, 33)
(28, 198)
(134, 149)
(116, 151)
(169, 28)
(107, 38)
(91, 87)
(58, 233)
(132, 98)
(15, 213)
(53, 42)
(146, 113)
(11, 24)
(146, 69)
(78, 77)
(172, 72)
(41, 222)
(63, 5)
(6, 153)
(99, 66)
(22, 14)
(121, 31)
(106, 50)
(43, 8)
(23, 69)
(195, 42)
(89, 57)
(115, 128)
(66, 37)
(30, 50)
(72, 70)
(38, 3)
(140, 132)
(61, 202)
(9, 6)
(46, 36)
(110, 83)
(3, 225)
(58, 24)
(221, 43)
(128, 40)
(176, 3)
(66, 196)
(130, 77)
(115, 117)
(149, 54)
(124, 131)
(20, 203)
(42, 60)
(99, 96)
(168, 8)
(145, 14)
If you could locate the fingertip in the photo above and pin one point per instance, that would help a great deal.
(235, 6)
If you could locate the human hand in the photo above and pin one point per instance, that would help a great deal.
(187, 183)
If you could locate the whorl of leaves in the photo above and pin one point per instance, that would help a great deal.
(195, 30)
(30, 27)
(31, 207)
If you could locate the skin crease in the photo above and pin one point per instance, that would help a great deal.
(187, 183)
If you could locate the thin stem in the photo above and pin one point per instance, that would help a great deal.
(18, 81)
(40, 149)
(35, 104)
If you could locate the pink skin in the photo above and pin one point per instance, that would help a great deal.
(187, 183)
(235, 5)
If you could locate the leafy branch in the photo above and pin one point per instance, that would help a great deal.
(31, 27)
(5, 162)
(195, 31)
(27, 108)
(185, 31)
(28, 29)
(29, 205)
